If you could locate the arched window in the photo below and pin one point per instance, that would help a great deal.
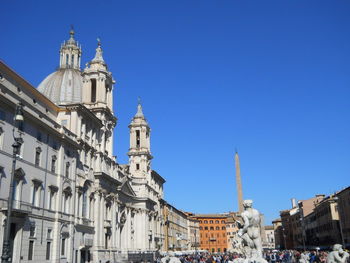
(223, 228)
(72, 63)
(217, 222)
(211, 221)
(205, 222)
(211, 228)
(67, 60)
(205, 228)
(200, 228)
(222, 221)
(217, 228)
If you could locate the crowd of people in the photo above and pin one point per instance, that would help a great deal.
(275, 256)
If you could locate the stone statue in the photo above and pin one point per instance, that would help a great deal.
(249, 233)
(304, 258)
(170, 258)
(122, 219)
(338, 255)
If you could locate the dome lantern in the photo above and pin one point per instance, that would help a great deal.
(70, 53)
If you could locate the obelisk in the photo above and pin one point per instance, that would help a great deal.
(239, 184)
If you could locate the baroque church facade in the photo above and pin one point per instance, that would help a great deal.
(72, 200)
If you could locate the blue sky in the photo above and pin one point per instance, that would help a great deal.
(271, 78)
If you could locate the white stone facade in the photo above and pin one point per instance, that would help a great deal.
(72, 201)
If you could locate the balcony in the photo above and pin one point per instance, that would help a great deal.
(19, 208)
(84, 221)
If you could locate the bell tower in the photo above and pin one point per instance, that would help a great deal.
(97, 96)
(98, 82)
(140, 147)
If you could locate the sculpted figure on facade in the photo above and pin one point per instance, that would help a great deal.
(122, 219)
(249, 233)
(338, 255)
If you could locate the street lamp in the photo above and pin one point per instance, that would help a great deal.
(6, 256)
(336, 199)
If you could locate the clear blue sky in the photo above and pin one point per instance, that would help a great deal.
(271, 78)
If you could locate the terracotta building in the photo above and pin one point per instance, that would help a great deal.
(213, 235)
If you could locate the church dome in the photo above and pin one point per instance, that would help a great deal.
(63, 86)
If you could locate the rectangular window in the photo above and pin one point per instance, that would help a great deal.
(48, 250)
(63, 247)
(53, 164)
(37, 158)
(31, 250)
(66, 203)
(106, 241)
(84, 205)
(49, 233)
(67, 169)
(34, 197)
(93, 90)
(137, 138)
(137, 166)
(51, 201)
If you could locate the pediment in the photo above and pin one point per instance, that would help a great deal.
(126, 188)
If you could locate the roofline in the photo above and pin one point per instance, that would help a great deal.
(158, 176)
(29, 87)
(212, 215)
